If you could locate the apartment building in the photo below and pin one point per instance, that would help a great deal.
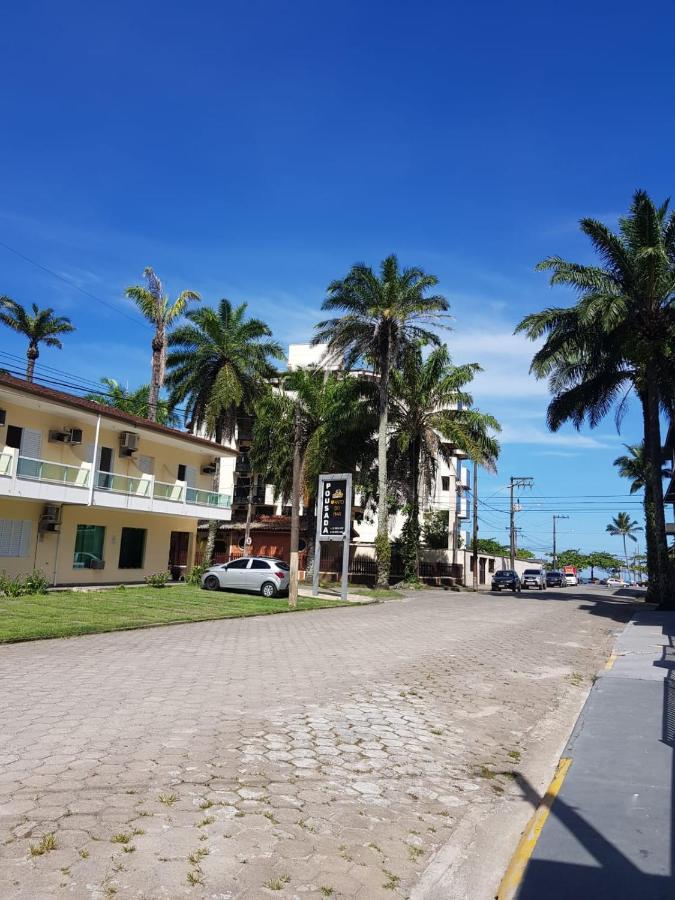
(92, 495)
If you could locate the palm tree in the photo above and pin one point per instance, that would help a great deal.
(218, 366)
(432, 417)
(633, 466)
(42, 327)
(332, 422)
(623, 526)
(133, 402)
(381, 316)
(615, 340)
(160, 312)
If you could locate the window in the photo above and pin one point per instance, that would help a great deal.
(14, 537)
(238, 564)
(181, 472)
(491, 565)
(13, 437)
(445, 482)
(88, 546)
(259, 564)
(132, 548)
(146, 464)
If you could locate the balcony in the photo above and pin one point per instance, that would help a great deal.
(39, 479)
(241, 495)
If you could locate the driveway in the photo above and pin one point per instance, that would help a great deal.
(334, 753)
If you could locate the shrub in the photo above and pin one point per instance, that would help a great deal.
(19, 586)
(195, 574)
(157, 579)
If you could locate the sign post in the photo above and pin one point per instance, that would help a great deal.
(333, 522)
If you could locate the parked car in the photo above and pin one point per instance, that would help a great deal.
(571, 579)
(506, 579)
(533, 578)
(555, 579)
(253, 574)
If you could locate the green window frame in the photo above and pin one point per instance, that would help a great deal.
(89, 540)
(132, 548)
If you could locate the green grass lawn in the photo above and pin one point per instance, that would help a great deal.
(353, 588)
(64, 614)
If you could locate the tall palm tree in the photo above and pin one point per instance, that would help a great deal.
(632, 466)
(382, 314)
(218, 365)
(42, 327)
(160, 312)
(332, 421)
(432, 416)
(623, 526)
(616, 340)
(135, 402)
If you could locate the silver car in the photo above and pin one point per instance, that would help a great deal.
(253, 574)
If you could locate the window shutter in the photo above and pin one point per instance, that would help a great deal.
(31, 443)
(14, 537)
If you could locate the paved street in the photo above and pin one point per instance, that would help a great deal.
(321, 754)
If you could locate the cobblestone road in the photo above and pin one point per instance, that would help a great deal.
(314, 755)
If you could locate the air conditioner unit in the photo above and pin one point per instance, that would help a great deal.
(73, 436)
(50, 518)
(129, 442)
(209, 469)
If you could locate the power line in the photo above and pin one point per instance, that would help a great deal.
(135, 319)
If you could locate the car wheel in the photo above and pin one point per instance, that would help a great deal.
(211, 583)
(268, 589)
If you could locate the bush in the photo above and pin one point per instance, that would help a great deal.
(20, 586)
(195, 574)
(157, 579)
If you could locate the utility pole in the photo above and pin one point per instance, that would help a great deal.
(554, 547)
(515, 481)
(474, 548)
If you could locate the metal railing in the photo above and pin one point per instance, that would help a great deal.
(56, 473)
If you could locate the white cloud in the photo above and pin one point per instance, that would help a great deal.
(528, 434)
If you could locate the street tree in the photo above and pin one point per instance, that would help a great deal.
(600, 559)
(615, 340)
(432, 416)
(572, 557)
(624, 527)
(381, 315)
(161, 312)
(218, 366)
(39, 327)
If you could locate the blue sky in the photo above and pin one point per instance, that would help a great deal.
(255, 150)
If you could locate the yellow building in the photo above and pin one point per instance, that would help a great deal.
(92, 495)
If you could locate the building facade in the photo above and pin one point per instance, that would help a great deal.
(92, 495)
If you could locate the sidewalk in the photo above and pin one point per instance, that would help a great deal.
(609, 833)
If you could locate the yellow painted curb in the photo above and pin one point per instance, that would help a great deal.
(524, 850)
(612, 659)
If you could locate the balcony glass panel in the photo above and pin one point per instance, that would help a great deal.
(164, 491)
(5, 464)
(56, 473)
(208, 498)
(122, 484)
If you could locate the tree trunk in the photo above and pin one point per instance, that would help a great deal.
(295, 515)
(382, 546)
(659, 581)
(249, 516)
(158, 344)
(214, 524)
(31, 354)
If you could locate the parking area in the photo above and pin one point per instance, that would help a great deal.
(326, 754)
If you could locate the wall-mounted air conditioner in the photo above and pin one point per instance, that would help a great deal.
(209, 469)
(129, 442)
(66, 436)
(50, 518)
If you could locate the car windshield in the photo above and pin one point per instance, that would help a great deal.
(505, 573)
(280, 564)
(531, 571)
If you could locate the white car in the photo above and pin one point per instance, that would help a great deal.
(571, 580)
(616, 582)
(253, 574)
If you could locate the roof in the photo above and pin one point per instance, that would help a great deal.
(110, 412)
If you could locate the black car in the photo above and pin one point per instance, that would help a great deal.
(555, 579)
(506, 580)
